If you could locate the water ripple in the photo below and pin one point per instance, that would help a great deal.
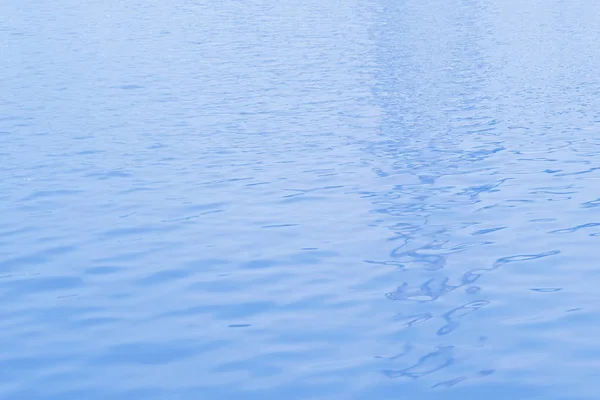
(307, 200)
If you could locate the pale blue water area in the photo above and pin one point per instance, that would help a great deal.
(384, 199)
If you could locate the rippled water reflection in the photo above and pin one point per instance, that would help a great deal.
(306, 200)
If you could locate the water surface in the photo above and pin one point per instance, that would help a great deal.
(299, 199)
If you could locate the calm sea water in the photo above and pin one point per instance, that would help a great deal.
(299, 199)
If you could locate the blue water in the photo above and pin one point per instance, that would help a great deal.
(311, 199)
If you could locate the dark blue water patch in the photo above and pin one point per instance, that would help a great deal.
(486, 231)
(41, 284)
(103, 270)
(279, 226)
(204, 207)
(109, 175)
(428, 291)
(130, 190)
(453, 316)
(130, 87)
(50, 194)
(147, 353)
(576, 228)
(412, 320)
(89, 152)
(591, 203)
(17, 231)
(15, 367)
(136, 231)
(473, 290)
(441, 358)
(37, 259)
(77, 318)
(127, 257)
(164, 276)
(524, 257)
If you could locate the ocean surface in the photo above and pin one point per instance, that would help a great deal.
(227, 199)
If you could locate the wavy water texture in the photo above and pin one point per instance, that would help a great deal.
(299, 199)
